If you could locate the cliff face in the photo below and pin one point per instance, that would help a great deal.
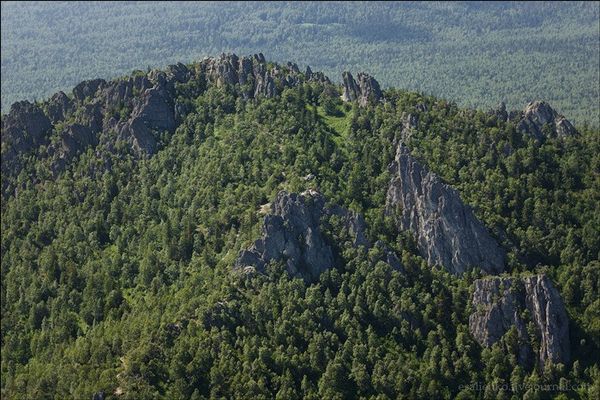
(366, 90)
(501, 303)
(446, 230)
(24, 128)
(292, 233)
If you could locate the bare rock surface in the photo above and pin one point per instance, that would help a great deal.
(501, 303)
(292, 233)
(446, 230)
(364, 90)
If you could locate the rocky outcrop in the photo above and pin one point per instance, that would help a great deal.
(351, 91)
(410, 123)
(446, 230)
(292, 233)
(311, 76)
(59, 107)
(75, 139)
(87, 89)
(539, 120)
(153, 112)
(254, 74)
(503, 303)
(135, 109)
(178, 72)
(24, 128)
(365, 91)
(121, 92)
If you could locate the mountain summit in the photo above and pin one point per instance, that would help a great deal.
(238, 228)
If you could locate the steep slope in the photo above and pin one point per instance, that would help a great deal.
(181, 234)
(135, 110)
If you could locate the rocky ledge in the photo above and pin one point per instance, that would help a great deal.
(292, 233)
(503, 303)
(446, 230)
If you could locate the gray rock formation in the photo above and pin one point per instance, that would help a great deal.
(446, 230)
(536, 116)
(24, 128)
(87, 89)
(308, 73)
(134, 109)
(365, 91)
(292, 233)
(153, 112)
(75, 139)
(263, 80)
(59, 107)
(501, 303)
(410, 122)
(178, 72)
(121, 92)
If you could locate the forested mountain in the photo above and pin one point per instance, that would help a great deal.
(238, 228)
(474, 53)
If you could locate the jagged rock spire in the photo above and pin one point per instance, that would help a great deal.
(365, 91)
(446, 230)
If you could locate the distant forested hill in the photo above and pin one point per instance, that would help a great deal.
(475, 53)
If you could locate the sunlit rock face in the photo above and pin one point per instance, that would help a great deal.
(446, 230)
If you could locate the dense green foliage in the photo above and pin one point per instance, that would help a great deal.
(120, 279)
(474, 53)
